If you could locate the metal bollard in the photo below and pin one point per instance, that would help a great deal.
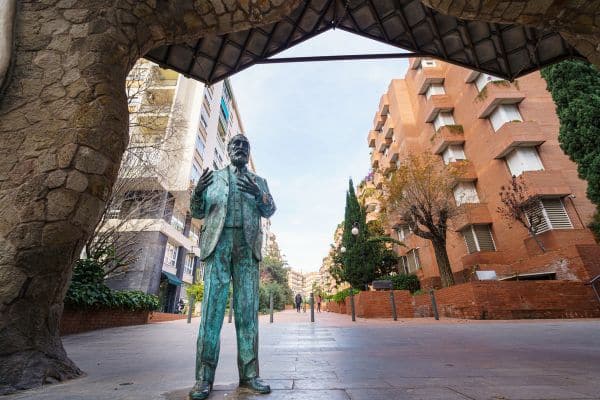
(230, 308)
(434, 305)
(352, 304)
(394, 315)
(271, 307)
(312, 307)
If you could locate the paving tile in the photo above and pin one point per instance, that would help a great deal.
(529, 392)
(405, 394)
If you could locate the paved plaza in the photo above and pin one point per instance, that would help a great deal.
(336, 359)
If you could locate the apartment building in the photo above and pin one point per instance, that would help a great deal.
(296, 282)
(312, 279)
(181, 127)
(497, 130)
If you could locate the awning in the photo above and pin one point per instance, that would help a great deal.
(506, 51)
(173, 280)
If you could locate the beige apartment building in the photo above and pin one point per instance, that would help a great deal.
(178, 127)
(296, 282)
(496, 129)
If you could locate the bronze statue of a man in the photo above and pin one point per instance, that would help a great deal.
(232, 201)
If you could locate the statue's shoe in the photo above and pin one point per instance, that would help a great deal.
(201, 390)
(256, 385)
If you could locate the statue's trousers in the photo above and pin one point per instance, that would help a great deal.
(232, 259)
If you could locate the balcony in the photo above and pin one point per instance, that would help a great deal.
(378, 180)
(372, 137)
(388, 128)
(472, 214)
(414, 62)
(384, 106)
(482, 258)
(394, 151)
(546, 183)
(494, 94)
(556, 239)
(445, 136)
(516, 134)
(437, 103)
(375, 158)
(427, 77)
(465, 169)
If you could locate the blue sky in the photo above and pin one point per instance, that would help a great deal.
(307, 124)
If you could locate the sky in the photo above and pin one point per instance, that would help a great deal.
(308, 125)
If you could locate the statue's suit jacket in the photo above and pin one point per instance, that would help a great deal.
(212, 206)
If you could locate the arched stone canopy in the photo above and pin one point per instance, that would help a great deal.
(63, 129)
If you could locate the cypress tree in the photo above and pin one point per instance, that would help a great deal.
(575, 88)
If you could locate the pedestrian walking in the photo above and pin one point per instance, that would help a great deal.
(319, 299)
(298, 300)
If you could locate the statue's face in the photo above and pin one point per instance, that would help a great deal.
(239, 150)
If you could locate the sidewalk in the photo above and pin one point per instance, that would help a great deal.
(336, 359)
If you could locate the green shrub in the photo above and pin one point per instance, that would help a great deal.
(404, 282)
(87, 290)
(342, 294)
(196, 291)
(281, 296)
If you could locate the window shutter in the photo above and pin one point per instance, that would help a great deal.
(412, 267)
(536, 215)
(556, 213)
(469, 240)
(484, 237)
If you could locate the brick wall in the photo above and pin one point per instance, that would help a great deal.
(378, 305)
(164, 317)
(89, 320)
(512, 300)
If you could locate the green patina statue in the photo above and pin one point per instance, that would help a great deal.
(231, 200)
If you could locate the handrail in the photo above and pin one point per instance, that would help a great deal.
(592, 284)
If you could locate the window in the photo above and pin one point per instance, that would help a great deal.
(226, 91)
(206, 105)
(478, 238)
(465, 193)
(215, 166)
(222, 130)
(433, 89)
(426, 63)
(203, 121)
(188, 266)
(209, 91)
(413, 261)
(549, 214)
(453, 152)
(195, 173)
(218, 157)
(200, 146)
(483, 79)
(404, 264)
(504, 113)
(194, 234)
(170, 256)
(403, 232)
(442, 119)
(523, 159)
(178, 220)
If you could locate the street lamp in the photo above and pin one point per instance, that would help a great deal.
(343, 249)
(354, 229)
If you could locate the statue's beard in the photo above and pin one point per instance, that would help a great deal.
(239, 160)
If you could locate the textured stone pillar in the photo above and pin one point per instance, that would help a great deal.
(577, 21)
(63, 130)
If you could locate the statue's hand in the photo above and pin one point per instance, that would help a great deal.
(248, 185)
(204, 181)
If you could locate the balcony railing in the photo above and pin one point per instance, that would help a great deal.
(427, 77)
(446, 136)
(472, 214)
(494, 94)
(516, 134)
(546, 183)
(436, 104)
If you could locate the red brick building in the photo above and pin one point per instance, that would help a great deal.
(498, 129)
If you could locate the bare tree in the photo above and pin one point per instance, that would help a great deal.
(138, 196)
(421, 192)
(521, 206)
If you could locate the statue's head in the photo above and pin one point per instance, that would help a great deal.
(238, 149)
